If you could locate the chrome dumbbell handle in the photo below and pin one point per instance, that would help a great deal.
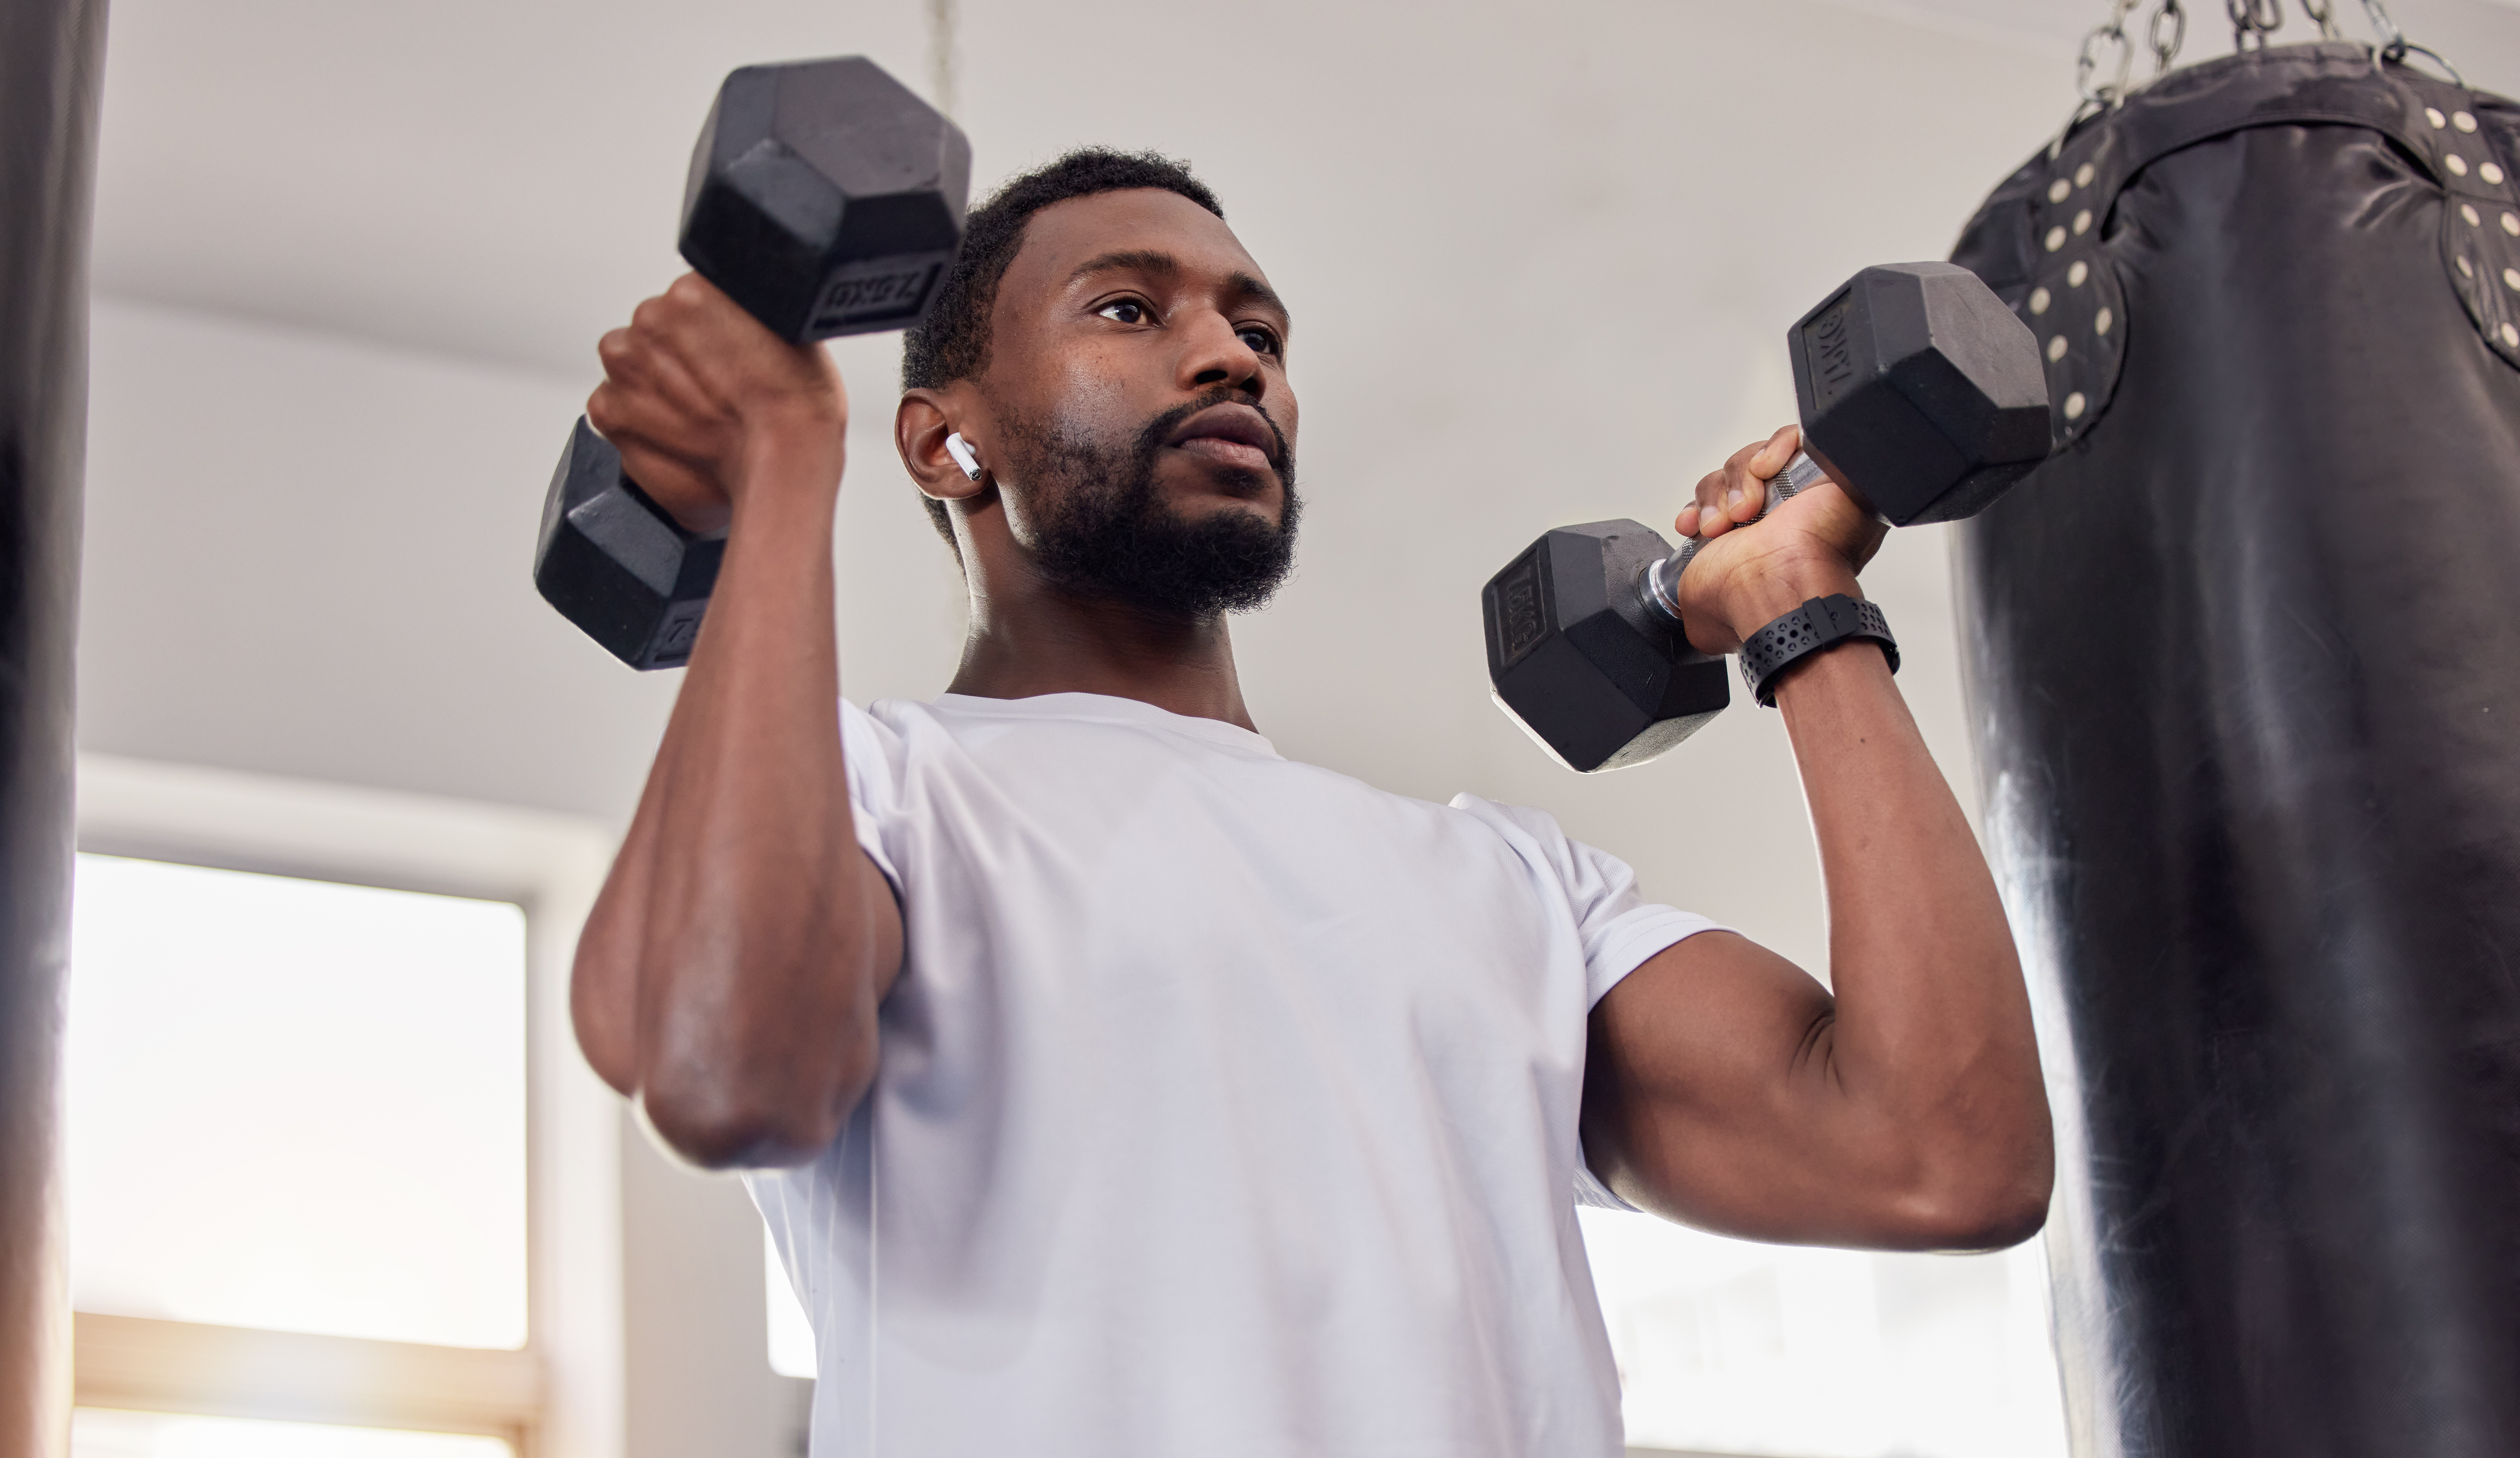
(1662, 579)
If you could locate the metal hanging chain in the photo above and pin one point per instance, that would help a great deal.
(2392, 41)
(2168, 33)
(2088, 62)
(2253, 21)
(2095, 96)
(2395, 48)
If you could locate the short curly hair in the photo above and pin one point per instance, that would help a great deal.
(953, 342)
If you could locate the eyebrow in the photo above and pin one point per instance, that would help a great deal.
(1243, 288)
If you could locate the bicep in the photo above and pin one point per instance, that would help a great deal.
(1705, 1092)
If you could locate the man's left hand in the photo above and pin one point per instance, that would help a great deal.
(1748, 576)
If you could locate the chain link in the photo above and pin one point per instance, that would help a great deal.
(2087, 60)
(2165, 48)
(2392, 41)
(2167, 33)
(2253, 21)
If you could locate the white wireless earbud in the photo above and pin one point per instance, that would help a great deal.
(960, 450)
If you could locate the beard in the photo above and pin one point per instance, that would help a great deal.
(1101, 532)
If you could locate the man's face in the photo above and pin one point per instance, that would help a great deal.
(1138, 362)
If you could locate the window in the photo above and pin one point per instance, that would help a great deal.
(297, 1104)
(1727, 1347)
(102, 1433)
(338, 1183)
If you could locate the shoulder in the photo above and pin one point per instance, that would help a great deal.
(1512, 821)
(1540, 842)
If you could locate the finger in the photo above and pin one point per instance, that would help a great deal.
(1777, 451)
(1711, 519)
(654, 317)
(634, 356)
(703, 319)
(1753, 467)
(629, 415)
(643, 361)
(619, 354)
(642, 429)
(603, 409)
(1746, 491)
(691, 497)
(697, 295)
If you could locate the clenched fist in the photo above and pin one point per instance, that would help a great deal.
(1748, 576)
(696, 394)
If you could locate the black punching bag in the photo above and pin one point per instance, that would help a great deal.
(2245, 667)
(51, 51)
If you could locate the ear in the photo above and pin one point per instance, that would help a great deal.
(921, 427)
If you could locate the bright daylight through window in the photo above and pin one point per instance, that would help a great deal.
(1728, 1347)
(295, 1106)
(102, 1433)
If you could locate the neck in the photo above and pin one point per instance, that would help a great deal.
(1027, 639)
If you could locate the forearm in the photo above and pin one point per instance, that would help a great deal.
(1929, 1055)
(748, 936)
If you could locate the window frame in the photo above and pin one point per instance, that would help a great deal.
(562, 1396)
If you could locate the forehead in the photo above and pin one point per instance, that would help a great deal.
(1066, 235)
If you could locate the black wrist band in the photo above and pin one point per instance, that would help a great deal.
(1817, 623)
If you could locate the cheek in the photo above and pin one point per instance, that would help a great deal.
(1095, 389)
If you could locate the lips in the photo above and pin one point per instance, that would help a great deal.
(1227, 432)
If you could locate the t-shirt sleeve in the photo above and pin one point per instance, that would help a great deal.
(1619, 929)
(872, 752)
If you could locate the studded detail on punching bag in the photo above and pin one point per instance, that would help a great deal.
(2044, 240)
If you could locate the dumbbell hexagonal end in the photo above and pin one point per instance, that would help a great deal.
(1600, 678)
(1921, 391)
(613, 563)
(826, 198)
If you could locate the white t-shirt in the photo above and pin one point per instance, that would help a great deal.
(1226, 1107)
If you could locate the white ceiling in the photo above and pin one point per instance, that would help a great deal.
(498, 178)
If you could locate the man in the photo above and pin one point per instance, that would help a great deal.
(1117, 1087)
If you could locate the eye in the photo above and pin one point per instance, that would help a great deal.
(1125, 312)
(1258, 340)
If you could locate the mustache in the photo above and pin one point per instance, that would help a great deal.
(1158, 430)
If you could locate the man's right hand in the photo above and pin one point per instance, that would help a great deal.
(731, 974)
(697, 396)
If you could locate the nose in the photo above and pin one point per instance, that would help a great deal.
(1215, 354)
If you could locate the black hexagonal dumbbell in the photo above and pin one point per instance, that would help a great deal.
(1921, 395)
(825, 199)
